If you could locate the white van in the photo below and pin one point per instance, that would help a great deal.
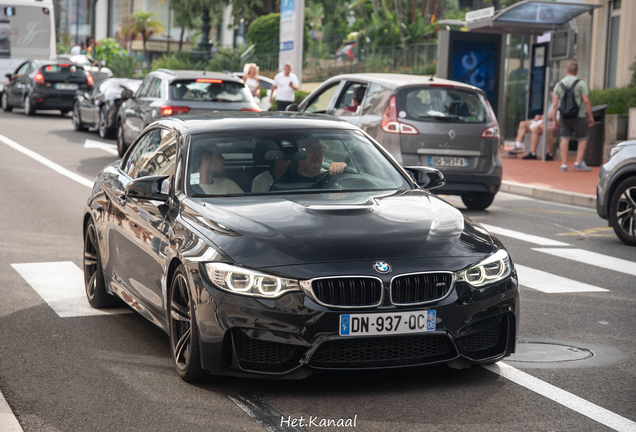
(27, 31)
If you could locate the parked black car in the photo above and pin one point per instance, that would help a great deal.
(45, 85)
(616, 191)
(424, 121)
(99, 107)
(165, 93)
(345, 261)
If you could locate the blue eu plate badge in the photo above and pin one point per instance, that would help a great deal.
(430, 321)
(345, 325)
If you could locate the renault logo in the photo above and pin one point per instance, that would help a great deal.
(382, 267)
(452, 134)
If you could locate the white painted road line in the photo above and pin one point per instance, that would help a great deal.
(8, 422)
(541, 241)
(107, 147)
(550, 283)
(593, 258)
(263, 414)
(61, 285)
(44, 161)
(575, 403)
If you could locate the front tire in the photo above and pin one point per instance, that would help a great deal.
(77, 121)
(29, 109)
(478, 200)
(121, 144)
(5, 102)
(622, 211)
(184, 333)
(104, 131)
(94, 283)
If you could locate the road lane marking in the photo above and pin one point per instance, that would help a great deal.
(262, 413)
(593, 258)
(61, 285)
(541, 241)
(8, 421)
(107, 147)
(575, 403)
(550, 283)
(46, 162)
(591, 232)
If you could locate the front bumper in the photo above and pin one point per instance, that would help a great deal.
(290, 336)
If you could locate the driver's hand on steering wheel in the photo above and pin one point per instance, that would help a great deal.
(337, 168)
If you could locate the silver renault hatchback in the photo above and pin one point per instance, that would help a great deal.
(422, 121)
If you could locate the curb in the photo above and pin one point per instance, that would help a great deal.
(553, 195)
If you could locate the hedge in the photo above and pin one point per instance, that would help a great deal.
(618, 100)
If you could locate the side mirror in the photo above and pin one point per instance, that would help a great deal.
(293, 107)
(149, 188)
(126, 94)
(428, 178)
(8, 75)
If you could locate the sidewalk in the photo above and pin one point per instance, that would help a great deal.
(545, 181)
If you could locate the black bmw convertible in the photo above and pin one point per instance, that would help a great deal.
(277, 244)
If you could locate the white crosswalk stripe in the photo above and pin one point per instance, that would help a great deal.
(541, 241)
(593, 258)
(550, 283)
(61, 285)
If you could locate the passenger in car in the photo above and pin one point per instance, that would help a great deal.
(208, 163)
(310, 169)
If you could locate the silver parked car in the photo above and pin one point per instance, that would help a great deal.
(424, 121)
(616, 191)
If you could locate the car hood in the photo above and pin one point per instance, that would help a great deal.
(274, 231)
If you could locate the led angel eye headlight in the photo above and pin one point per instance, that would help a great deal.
(492, 269)
(248, 282)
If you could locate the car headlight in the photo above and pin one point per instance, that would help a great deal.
(614, 151)
(492, 269)
(247, 282)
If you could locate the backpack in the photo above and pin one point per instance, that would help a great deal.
(568, 106)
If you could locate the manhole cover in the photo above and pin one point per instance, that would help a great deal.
(538, 352)
(556, 354)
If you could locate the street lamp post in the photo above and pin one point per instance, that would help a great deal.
(204, 46)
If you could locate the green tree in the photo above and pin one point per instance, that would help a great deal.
(265, 32)
(107, 49)
(144, 23)
(186, 15)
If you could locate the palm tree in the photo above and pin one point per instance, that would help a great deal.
(144, 23)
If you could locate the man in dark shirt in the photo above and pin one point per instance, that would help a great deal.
(310, 169)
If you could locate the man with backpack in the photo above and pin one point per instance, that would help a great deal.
(575, 112)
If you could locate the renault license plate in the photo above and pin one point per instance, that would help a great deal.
(66, 86)
(387, 323)
(447, 161)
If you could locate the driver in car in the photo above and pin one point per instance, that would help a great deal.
(310, 169)
(208, 163)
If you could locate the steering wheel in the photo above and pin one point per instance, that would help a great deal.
(325, 181)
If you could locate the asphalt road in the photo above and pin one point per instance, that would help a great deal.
(576, 367)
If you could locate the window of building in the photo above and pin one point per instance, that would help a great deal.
(614, 20)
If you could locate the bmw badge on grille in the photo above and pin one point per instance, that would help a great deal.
(382, 267)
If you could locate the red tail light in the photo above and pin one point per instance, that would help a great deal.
(251, 109)
(63, 64)
(89, 79)
(390, 123)
(209, 80)
(173, 110)
(38, 78)
(492, 131)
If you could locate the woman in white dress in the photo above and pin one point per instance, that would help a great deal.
(250, 78)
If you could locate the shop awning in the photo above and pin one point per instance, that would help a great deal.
(531, 16)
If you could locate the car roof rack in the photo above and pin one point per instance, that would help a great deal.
(168, 71)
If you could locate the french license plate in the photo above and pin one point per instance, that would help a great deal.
(66, 86)
(387, 323)
(447, 161)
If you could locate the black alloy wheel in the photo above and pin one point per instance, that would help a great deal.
(184, 334)
(121, 145)
(29, 109)
(478, 200)
(623, 211)
(96, 292)
(5, 102)
(104, 130)
(77, 121)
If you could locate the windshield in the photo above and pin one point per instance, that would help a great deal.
(441, 104)
(25, 31)
(283, 162)
(209, 90)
